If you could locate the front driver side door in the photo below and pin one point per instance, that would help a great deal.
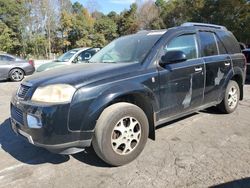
(181, 84)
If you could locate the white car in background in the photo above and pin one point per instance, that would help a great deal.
(77, 55)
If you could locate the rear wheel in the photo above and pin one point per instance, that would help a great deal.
(231, 98)
(16, 75)
(121, 133)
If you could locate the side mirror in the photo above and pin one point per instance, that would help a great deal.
(175, 56)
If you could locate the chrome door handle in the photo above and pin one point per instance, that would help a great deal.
(198, 69)
(227, 64)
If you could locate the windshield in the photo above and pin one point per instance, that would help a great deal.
(66, 56)
(131, 48)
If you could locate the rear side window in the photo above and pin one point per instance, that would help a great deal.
(185, 43)
(229, 42)
(208, 44)
(222, 49)
(6, 58)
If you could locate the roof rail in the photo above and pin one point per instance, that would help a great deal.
(204, 25)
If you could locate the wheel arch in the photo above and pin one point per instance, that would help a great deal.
(238, 78)
(132, 93)
(235, 74)
(144, 103)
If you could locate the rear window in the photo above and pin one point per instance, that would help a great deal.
(208, 44)
(229, 42)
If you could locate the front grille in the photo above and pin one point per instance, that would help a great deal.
(22, 91)
(17, 115)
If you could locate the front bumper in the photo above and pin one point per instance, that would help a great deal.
(54, 134)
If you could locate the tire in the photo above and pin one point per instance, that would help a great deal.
(231, 98)
(16, 75)
(117, 122)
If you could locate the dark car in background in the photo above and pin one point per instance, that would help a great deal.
(15, 68)
(74, 56)
(132, 85)
(246, 52)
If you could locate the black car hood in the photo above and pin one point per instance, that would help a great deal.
(81, 74)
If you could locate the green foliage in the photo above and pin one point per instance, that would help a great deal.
(107, 27)
(6, 38)
(33, 28)
(98, 40)
(10, 25)
(128, 22)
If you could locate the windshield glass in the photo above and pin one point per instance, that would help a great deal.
(131, 48)
(66, 56)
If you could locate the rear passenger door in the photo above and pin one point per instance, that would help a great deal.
(217, 65)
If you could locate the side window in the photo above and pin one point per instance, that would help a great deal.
(222, 49)
(185, 43)
(85, 55)
(208, 44)
(229, 41)
(6, 58)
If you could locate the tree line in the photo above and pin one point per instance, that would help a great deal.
(38, 28)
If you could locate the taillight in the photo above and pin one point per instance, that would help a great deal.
(31, 62)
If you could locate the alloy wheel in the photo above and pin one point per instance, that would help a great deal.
(126, 135)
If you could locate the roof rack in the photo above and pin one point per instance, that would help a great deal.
(204, 25)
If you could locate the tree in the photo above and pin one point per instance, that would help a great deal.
(10, 25)
(128, 22)
(92, 6)
(107, 27)
(149, 16)
(66, 26)
(82, 25)
(98, 40)
(6, 38)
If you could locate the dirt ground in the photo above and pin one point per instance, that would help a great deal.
(201, 150)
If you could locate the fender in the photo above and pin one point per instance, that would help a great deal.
(233, 72)
(103, 97)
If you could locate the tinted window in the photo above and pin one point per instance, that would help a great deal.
(208, 44)
(229, 42)
(185, 43)
(222, 49)
(86, 55)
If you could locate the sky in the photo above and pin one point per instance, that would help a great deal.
(107, 6)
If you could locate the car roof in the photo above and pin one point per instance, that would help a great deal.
(185, 26)
(6, 54)
(84, 48)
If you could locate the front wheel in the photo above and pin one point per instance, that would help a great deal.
(231, 98)
(121, 133)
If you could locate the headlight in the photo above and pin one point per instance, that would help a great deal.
(54, 93)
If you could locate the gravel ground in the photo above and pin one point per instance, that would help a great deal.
(202, 150)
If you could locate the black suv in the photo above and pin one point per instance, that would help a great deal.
(133, 84)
